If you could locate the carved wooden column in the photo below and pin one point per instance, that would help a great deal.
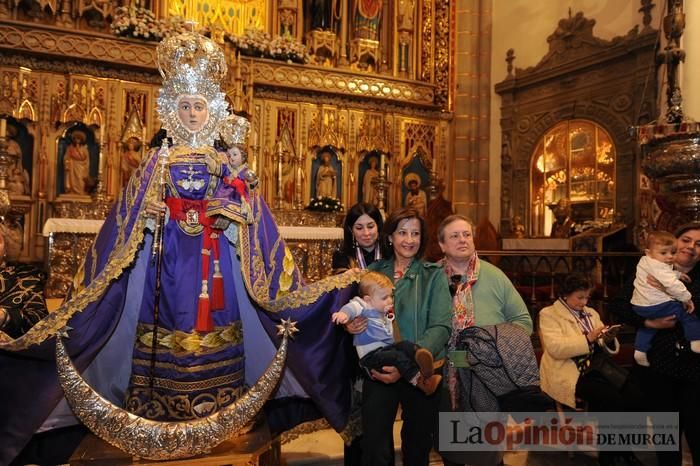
(64, 18)
(404, 20)
(298, 179)
(343, 55)
(6, 161)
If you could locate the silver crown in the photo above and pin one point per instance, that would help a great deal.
(191, 52)
(234, 130)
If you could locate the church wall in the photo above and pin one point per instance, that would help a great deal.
(524, 26)
(690, 72)
(470, 164)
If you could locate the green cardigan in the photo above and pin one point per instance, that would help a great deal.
(496, 300)
(422, 304)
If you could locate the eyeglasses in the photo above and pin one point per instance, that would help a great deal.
(460, 234)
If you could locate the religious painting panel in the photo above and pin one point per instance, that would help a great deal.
(286, 161)
(368, 171)
(326, 173)
(415, 178)
(367, 19)
(131, 156)
(131, 145)
(77, 161)
(287, 178)
(20, 147)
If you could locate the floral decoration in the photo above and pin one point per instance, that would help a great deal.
(255, 43)
(141, 23)
(325, 204)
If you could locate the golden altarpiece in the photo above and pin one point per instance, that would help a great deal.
(348, 99)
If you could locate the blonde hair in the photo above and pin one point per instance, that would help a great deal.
(660, 239)
(371, 281)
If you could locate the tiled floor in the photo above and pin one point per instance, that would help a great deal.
(326, 448)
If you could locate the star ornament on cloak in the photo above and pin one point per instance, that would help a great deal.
(287, 328)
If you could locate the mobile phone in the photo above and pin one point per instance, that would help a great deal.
(612, 328)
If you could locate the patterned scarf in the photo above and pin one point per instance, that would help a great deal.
(462, 311)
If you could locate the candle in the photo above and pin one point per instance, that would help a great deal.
(382, 163)
(279, 172)
(3, 128)
(434, 164)
(102, 134)
(100, 162)
(238, 66)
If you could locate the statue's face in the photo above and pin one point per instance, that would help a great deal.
(193, 112)
(235, 156)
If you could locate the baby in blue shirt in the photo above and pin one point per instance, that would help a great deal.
(375, 345)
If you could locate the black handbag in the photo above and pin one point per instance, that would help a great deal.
(601, 363)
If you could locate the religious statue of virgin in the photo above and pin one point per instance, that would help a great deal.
(174, 313)
(325, 178)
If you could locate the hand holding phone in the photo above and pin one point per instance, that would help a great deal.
(610, 331)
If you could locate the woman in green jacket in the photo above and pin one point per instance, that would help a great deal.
(423, 315)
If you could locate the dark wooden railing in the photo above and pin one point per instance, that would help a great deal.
(537, 275)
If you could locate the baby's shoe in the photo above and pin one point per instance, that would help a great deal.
(429, 384)
(641, 358)
(424, 359)
(695, 346)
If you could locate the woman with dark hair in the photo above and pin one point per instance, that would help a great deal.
(570, 334)
(422, 315)
(672, 382)
(360, 248)
(361, 228)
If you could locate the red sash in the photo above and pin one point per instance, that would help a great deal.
(193, 212)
